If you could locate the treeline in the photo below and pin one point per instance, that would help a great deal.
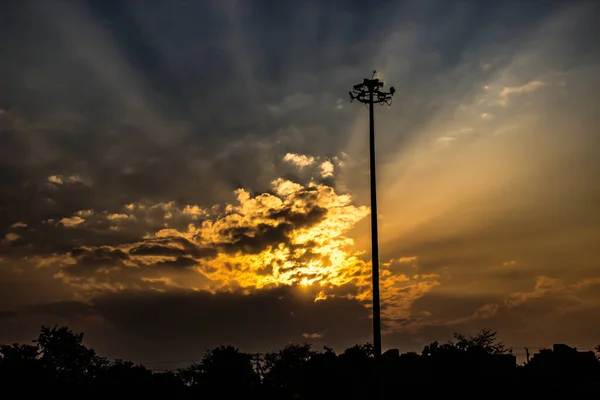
(58, 363)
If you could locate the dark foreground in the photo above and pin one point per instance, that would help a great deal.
(58, 364)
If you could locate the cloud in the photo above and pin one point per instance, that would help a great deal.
(519, 323)
(300, 160)
(178, 247)
(195, 211)
(119, 217)
(327, 169)
(312, 335)
(55, 179)
(292, 237)
(263, 240)
(185, 323)
(61, 179)
(11, 237)
(515, 90)
(545, 286)
(445, 140)
(71, 222)
(528, 87)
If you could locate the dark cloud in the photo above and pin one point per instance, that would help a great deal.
(256, 239)
(179, 262)
(156, 250)
(22, 284)
(88, 262)
(183, 324)
(100, 253)
(304, 218)
(169, 251)
(63, 309)
(450, 306)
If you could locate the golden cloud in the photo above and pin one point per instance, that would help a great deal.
(296, 235)
(71, 222)
(11, 237)
(62, 179)
(300, 160)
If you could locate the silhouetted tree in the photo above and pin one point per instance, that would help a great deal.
(223, 370)
(60, 364)
(322, 379)
(464, 358)
(286, 368)
(124, 377)
(356, 370)
(485, 341)
(359, 352)
(435, 349)
(63, 351)
(18, 355)
(20, 368)
(72, 365)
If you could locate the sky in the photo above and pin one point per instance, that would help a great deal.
(176, 175)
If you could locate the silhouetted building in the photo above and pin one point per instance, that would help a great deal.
(563, 361)
(391, 353)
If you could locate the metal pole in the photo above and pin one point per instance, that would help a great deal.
(369, 92)
(374, 235)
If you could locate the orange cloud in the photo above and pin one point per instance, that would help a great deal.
(295, 236)
(71, 222)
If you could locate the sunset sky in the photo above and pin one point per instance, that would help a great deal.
(175, 175)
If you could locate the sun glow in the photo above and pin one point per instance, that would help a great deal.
(294, 236)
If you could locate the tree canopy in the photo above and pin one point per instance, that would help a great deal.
(58, 362)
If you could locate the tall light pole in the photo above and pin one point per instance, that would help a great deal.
(370, 92)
